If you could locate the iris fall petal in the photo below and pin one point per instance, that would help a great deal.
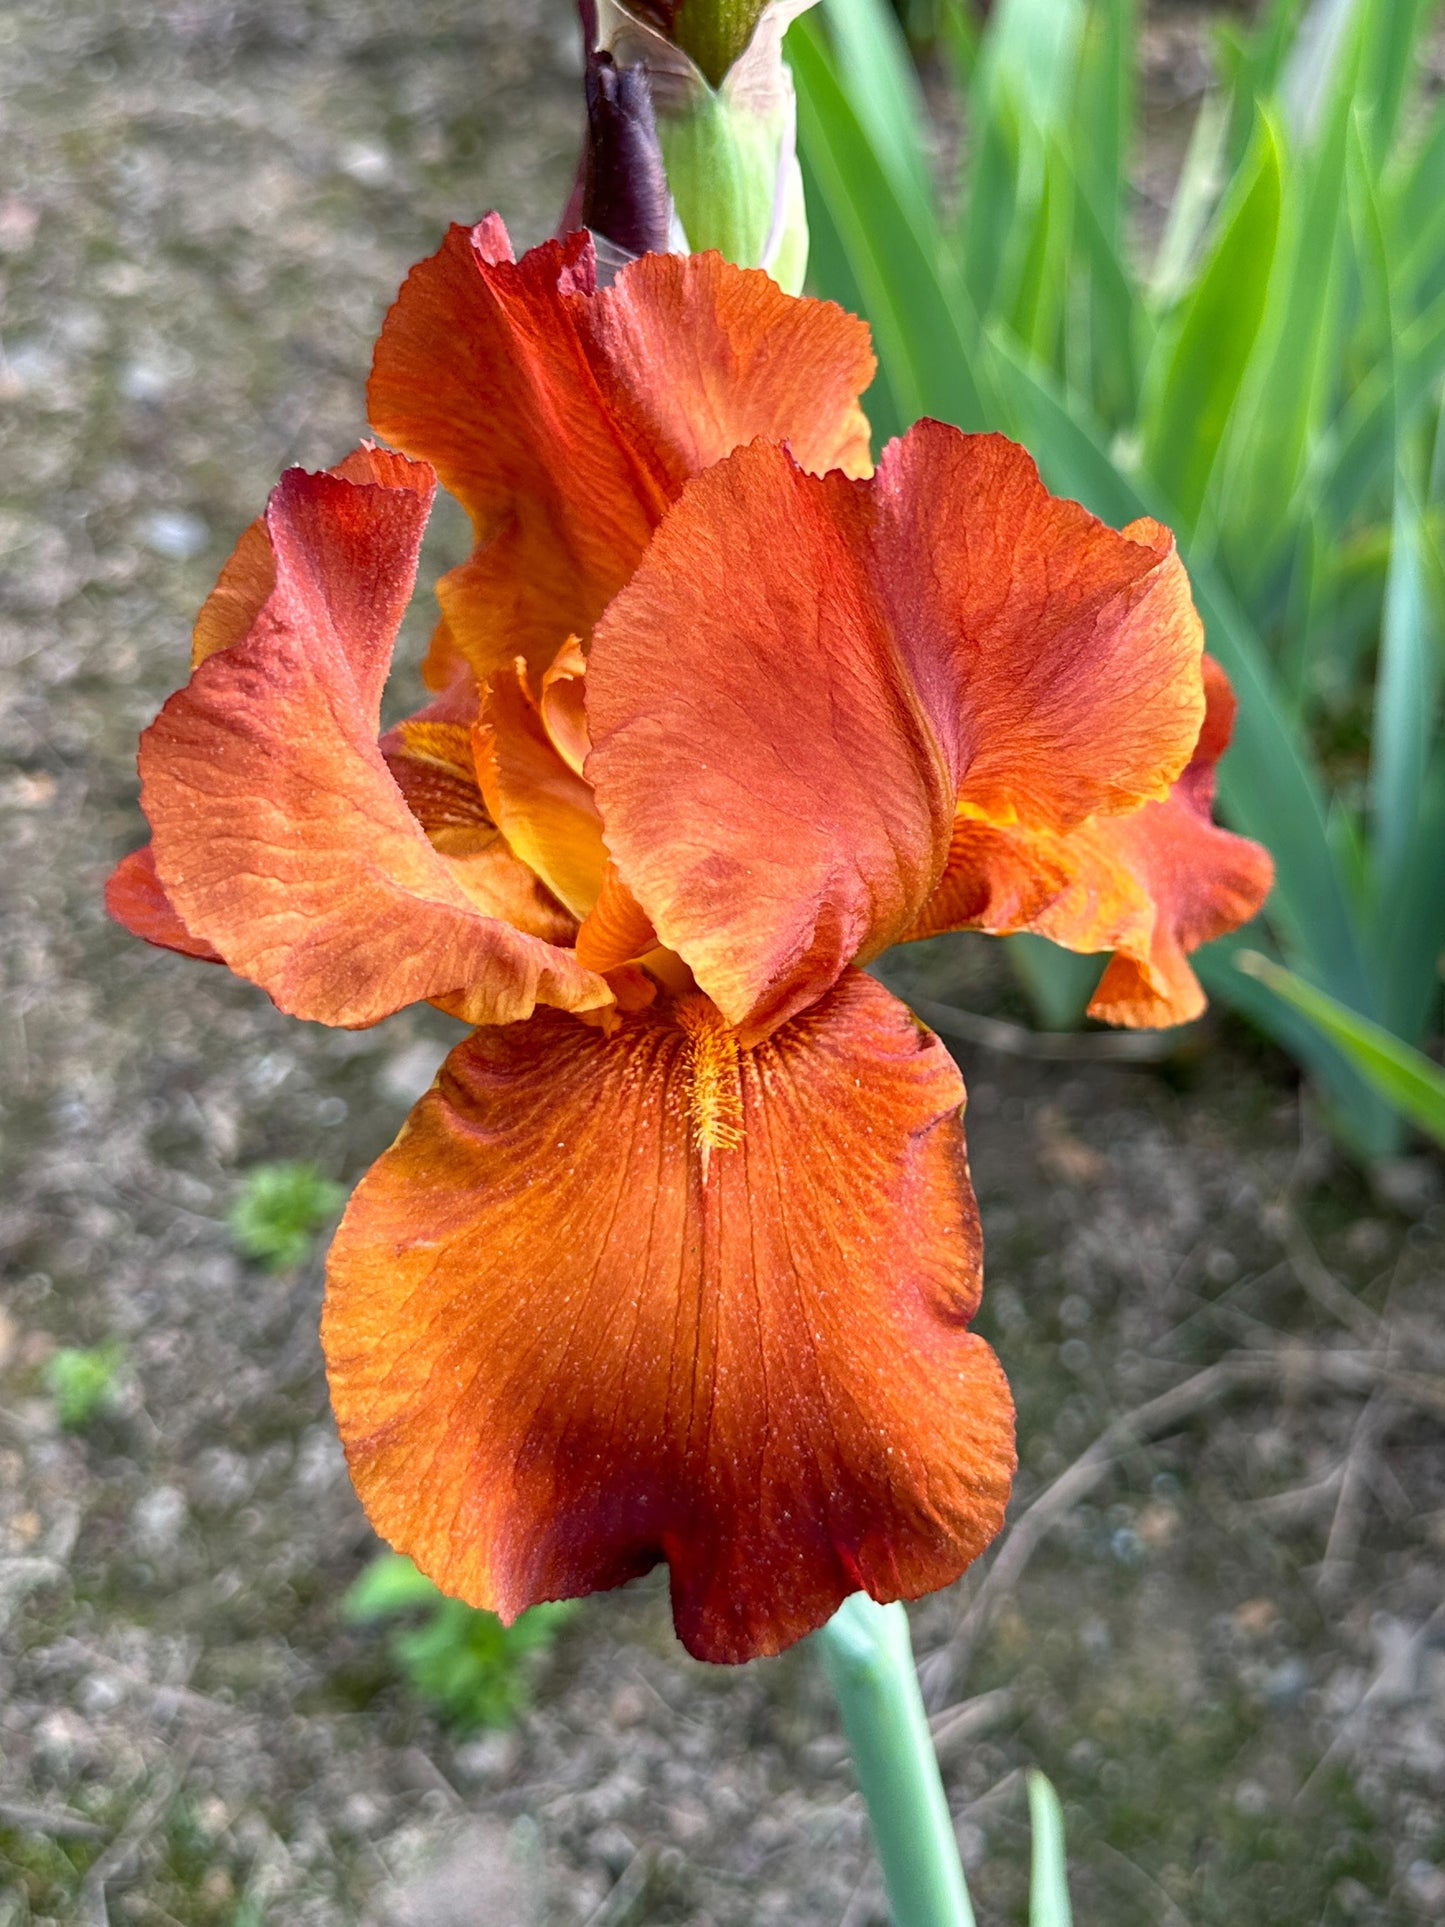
(135, 897)
(280, 835)
(566, 1341)
(1151, 886)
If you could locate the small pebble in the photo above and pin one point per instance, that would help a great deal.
(175, 534)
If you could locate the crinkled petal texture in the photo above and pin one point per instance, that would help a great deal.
(564, 1346)
(809, 678)
(567, 418)
(249, 574)
(1151, 886)
(134, 897)
(281, 838)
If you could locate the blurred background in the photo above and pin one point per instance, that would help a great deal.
(1197, 261)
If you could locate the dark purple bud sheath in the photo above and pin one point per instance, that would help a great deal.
(621, 190)
(624, 185)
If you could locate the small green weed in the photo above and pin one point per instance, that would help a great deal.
(280, 1209)
(474, 1670)
(83, 1383)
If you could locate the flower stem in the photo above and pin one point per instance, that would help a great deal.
(869, 1661)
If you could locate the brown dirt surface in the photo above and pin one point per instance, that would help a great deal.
(1227, 1646)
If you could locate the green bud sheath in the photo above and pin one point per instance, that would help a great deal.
(726, 120)
(715, 33)
(735, 183)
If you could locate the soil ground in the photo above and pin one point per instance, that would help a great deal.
(1221, 1633)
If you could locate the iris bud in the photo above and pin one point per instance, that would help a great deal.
(712, 33)
(726, 120)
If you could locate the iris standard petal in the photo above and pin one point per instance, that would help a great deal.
(807, 678)
(567, 418)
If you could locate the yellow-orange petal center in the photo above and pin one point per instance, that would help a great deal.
(564, 714)
(435, 772)
(543, 808)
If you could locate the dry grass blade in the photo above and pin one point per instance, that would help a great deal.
(61, 1823)
(1027, 1533)
(118, 1856)
(1300, 1503)
(957, 1726)
(1375, 1695)
(1426, 1394)
(866, 1899)
(1296, 1368)
(1311, 1271)
(1169, 1915)
(631, 1885)
(1347, 1527)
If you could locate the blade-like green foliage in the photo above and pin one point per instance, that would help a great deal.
(1195, 193)
(1406, 688)
(1104, 105)
(1289, 378)
(1408, 1077)
(1049, 1882)
(888, 243)
(1270, 386)
(1391, 33)
(1204, 355)
(873, 59)
(1411, 924)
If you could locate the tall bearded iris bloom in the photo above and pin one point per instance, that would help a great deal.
(677, 1259)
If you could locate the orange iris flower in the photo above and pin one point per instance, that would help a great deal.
(677, 1259)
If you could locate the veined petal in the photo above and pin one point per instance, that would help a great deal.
(443, 660)
(1058, 658)
(712, 357)
(567, 418)
(542, 806)
(616, 929)
(808, 678)
(1150, 886)
(280, 835)
(135, 897)
(432, 764)
(249, 574)
(246, 580)
(563, 705)
(432, 759)
(1202, 881)
(566, 1341)
(429, 754)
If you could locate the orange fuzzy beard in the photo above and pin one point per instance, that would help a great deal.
(715, 1103)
